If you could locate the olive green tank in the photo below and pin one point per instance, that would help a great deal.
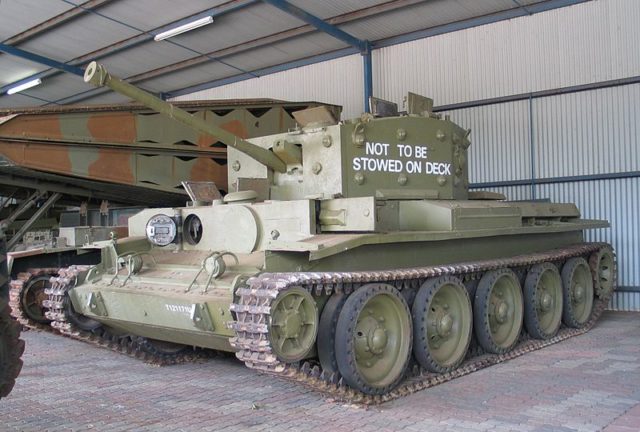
(349, 256)
(11, 346)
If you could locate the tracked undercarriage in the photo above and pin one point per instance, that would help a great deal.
(254, 307)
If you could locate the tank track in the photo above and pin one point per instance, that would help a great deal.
(11, 347)
(252, 310)
(133, 346)
(15, 293)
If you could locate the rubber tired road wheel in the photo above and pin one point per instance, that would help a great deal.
(327, 332)
(32, 296)
(577, 292)
(373, 338)
(498, 310)
(603, 270)
(11, 349)
(543, 301)
(442, 321)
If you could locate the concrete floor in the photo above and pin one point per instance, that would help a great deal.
(588, 383)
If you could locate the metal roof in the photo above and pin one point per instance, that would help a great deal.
(247, 38)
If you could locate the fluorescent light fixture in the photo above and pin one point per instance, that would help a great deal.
(183, 28)
(24, 86)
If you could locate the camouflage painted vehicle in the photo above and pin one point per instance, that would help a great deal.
(348, 256)
(125, 153)
(11, 346)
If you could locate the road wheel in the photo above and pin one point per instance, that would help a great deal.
(373, 338)
(498, 311)
(577, 292)
(543, 301)
(603, 270)
(442, 319)
(327, 332)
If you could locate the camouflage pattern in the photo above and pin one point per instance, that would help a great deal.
(129, 145)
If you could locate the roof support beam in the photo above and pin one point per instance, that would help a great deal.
(395, 40)
(318, 23)
(36, 58)
(57, 20)
(226, 52)
(133, 41)
(272, 39)
(521, 6)
(362, 45)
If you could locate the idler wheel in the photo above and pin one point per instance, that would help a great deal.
(373, 338)
(293, 325)
(32, 296)
(442, 319)
(603, 270)
(11, 349)
(577, 292)
(543, 301)
(498, 311)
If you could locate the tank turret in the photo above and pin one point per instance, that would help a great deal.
(414, 156)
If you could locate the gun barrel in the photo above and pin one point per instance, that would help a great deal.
(98, 75)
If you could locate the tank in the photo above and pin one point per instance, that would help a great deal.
(349, 256)
(11, 346)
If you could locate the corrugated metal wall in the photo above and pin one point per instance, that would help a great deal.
(577, 134)
(585, 43)
(593, 132)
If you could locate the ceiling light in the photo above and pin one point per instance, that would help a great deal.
(24, 86)
(183, 28)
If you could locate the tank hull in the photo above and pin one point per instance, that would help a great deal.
(159, 303)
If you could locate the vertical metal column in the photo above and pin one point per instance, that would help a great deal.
(368, 76)
(532, 150)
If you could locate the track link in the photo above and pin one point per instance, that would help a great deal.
(253, 310)
(133, 346)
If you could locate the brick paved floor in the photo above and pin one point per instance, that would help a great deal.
(588, 383)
